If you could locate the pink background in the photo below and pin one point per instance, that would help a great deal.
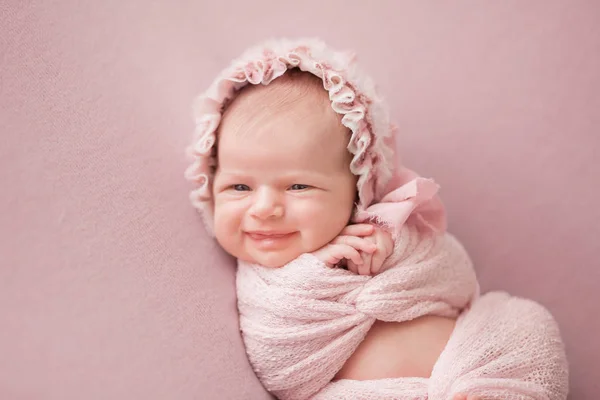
(109, 287)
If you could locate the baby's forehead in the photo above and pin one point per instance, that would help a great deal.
(288, 90)
(296, 101)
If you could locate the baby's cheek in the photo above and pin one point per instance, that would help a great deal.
(228, 212)
(227, 226)
(321, 221)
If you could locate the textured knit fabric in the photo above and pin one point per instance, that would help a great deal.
(301, 322)
(503, 348)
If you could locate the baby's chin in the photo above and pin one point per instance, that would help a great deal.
(272, 259)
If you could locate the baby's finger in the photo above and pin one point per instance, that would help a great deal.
(366, 265)
(356, 242)
(348, 252)
(378, 258)
(352, 267)
(358, 230)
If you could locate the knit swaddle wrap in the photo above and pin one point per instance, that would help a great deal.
(301, 322)
(503, 348)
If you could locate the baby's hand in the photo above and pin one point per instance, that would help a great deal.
(373, 261)
(349, 245)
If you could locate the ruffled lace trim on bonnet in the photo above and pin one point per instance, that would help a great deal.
(353, 95)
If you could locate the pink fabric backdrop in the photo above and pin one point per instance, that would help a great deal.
(109, 287)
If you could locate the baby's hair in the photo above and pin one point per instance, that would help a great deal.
(296, 84)
(285, 90)
(292, 85)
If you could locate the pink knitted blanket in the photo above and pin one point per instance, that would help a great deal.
(301, 322)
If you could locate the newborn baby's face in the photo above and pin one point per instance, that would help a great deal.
(283, 186)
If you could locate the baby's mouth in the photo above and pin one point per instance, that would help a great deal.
(268, 235)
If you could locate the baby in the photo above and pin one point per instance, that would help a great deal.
(348, 285)
(283, 187)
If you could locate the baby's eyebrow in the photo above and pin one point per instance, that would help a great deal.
(233, 170)
(231, 174)
(304, 173)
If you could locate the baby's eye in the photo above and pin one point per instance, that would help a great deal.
(240, 187)
(298, 186)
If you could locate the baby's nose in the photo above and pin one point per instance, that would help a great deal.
(267, 204)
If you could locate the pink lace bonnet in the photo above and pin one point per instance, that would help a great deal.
(388, 193)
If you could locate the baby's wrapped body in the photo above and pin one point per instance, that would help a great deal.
(281, 186)
(302, 322)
